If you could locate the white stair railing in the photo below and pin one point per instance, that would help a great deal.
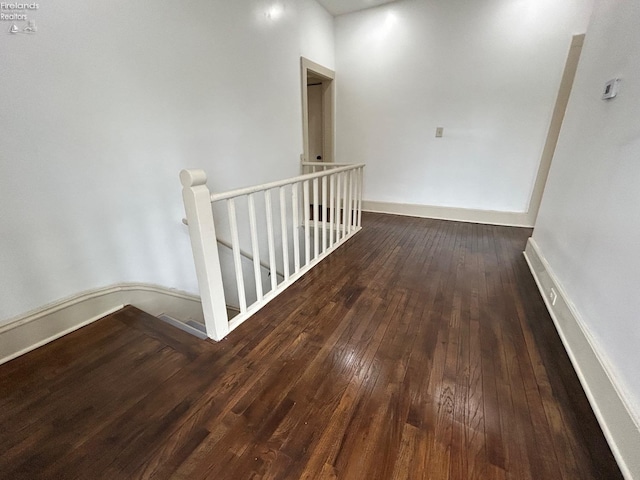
(324, 208)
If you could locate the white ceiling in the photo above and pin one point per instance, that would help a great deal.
(338, 7)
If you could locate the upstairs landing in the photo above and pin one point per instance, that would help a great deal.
(419, 349)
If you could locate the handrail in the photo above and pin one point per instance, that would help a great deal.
(216, 197)
(244, 253)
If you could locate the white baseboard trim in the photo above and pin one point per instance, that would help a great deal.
(45, 324)
(490, 217)
(617, 420)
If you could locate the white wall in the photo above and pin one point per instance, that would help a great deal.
(105, 105)
(588, 228)
(487, 71)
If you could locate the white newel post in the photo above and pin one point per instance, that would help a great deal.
(197, 204)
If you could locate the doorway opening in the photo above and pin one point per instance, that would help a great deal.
(317, 112)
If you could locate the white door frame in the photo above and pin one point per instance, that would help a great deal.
(553, 134)
(327, 78)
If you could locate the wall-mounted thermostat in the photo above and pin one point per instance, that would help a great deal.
(610, 89)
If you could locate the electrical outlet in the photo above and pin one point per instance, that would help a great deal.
(554, 296)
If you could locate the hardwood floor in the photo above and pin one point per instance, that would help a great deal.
(421, 349)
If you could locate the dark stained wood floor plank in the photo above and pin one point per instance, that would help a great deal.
(420, 349)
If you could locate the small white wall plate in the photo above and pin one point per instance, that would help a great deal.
(610, 89)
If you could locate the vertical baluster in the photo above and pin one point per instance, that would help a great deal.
(360, 188)
(285, 237)
(356, 189)
(354, 194)
(316, 231)
(324, 214)
(296, 221)
(332, 192)
(270, 242)
(237, 259)
(345, 212)
(350, 201)
(255, 247)
(338, 205)
(305, 208)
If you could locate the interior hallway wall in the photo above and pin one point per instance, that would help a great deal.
(487, 71)
(104, 106)
(588, 228)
